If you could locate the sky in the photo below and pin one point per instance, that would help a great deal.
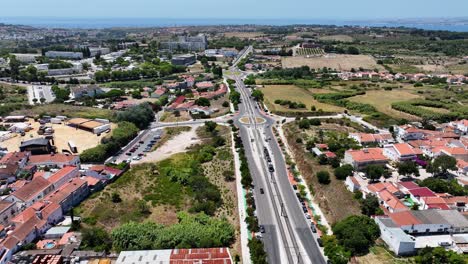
(236, 9)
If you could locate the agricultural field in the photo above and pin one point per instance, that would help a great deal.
(309, 52)
(295, 94)
(382, 100)
(334, 61)
(243, 35)
(342, 38)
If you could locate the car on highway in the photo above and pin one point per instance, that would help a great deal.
(271, 168)
(262, 229)
(262, 191)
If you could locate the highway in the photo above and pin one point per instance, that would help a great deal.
(288, 237)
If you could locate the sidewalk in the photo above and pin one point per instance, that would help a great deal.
(242, 205)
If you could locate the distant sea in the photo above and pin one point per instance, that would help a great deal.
(89, 23)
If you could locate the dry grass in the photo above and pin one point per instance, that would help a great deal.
(171, 117)
(66, 110)
(382, 100)
(334, 61)
(334, 199)
(458, 68)
(380, 255)
(296, 94)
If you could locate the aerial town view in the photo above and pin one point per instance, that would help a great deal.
(214, 132)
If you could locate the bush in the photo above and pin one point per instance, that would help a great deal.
(344, 171)
(141, 115)
(356, 233)
(323, 177)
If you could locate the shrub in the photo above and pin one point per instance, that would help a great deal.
(323, 177)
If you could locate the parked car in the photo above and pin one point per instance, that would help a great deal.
(320, 242)
(312, 227)
(261, 191)
(262, 229)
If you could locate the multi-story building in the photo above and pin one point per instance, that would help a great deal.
(64, 55)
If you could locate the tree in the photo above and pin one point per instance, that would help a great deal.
(141, 115)
(42, 100)
(444, 186)
(336, 253)
(202, 101)
(323, 177)
(257, 251)
(344, 171)
(408, 168)
(374, 172)
(96, 239)
(438, 255)
(353, 50)
(14, 67)
(210, 126)
(442, 164)
(304, 123)
(356, 233)
(257, 95)
(370, 205)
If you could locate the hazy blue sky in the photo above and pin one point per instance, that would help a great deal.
(249, 9)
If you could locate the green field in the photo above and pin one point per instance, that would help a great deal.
(382, 100)
(296, 94)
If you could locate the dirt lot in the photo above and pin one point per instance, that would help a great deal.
(175, 144)
(380, 255)
(334, 61)
(382, 100)
(63, 133)
(296, 94)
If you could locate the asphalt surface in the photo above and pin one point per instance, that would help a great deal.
(288, 237)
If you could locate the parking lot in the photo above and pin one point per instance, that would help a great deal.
(40, 91)
(138, 148)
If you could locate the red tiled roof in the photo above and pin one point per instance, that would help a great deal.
(422, 192)
(61, 194)
(31, 189)
(55, 158)
(405, 149)
(370, 154)
(409, 185)
(404, 218)
(61, 173)
(392, 201)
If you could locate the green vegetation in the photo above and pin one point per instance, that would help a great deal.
(12, 98)
(438, 255)
(191, 231)
(123, 134)
(370, 205)
(444, 186)
(257, 252)
(141, 115)
(356, 233)
(323, 177)
(342, 172)
(441, 165)
(414, 107)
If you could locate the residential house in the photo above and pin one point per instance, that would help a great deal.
(55, 160)
(70, 194)
(408, 132)
(432, 202)
(418, 194)
(461, 126)
(352, 184)
(8, 210)
(360, 159)
(396, 239)
(32, 192)
(368, 139)
(63, 175)
(401, 152)
(390, 202)
(457, 153)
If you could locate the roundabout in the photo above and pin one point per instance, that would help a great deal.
(246, 120)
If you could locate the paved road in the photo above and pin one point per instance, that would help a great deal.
(288, 238)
